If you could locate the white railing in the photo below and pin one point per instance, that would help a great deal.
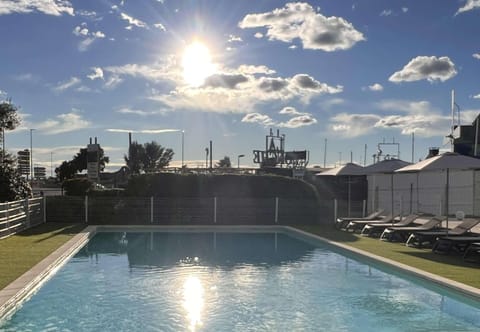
(19, 215)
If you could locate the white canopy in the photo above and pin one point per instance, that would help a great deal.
(448, 160)
(385, 166)
(347, 169)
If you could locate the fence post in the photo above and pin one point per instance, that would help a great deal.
(215, 210)
(335, 214)
(151, 209)
(86, 209)
(6, 215)
(27, 212)
(364, 208)
(44, 208)
(276, 210)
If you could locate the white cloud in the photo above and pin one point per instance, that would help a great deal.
(292, 47)
(127, 110)
(160, 26)
(258, 35)
(386, 12)
(233, 38)
(300, 20)
(476, 96)
(49, 7)
(429, 68)
(469, 5)
(249, 69)
(97, 73)
(89, 36)
(133, 21)
(412, 116)
(63, 123)
(62, 86)
(299, 121)
(404, 9)
(375, 87)
(262, 119)
(476, 55)
(289, 111)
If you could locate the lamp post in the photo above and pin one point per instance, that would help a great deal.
(206, 158)
(31, 154)
(239, 156)
(183, 145)
(51, 164)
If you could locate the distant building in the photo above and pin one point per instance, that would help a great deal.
(23, 162)
(465, 139)
(39, 173)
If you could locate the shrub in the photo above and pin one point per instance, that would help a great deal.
(77, 187)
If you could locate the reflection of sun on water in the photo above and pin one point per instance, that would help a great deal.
(193, 301)
(197, 64)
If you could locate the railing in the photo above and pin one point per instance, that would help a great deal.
(187, 211)
(19, 215)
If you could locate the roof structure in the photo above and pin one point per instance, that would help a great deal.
(448, 160)
(348, 169)
(385, 166)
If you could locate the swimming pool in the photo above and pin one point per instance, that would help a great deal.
(205, 281)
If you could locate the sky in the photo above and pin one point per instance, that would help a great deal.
(336, 74)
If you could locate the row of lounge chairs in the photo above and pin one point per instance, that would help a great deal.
(429, 233)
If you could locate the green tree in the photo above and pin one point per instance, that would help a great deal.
(9, 119)
(12, 185)
(68, 169)
(149, 157)
(224, 163)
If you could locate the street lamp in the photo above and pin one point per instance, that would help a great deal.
(206, 158)
(183, 145)
(31, 154)
(239, 156)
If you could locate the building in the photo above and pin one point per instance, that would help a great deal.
(465, 139)
(23, 162)
(39, 173)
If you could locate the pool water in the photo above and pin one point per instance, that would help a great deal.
(231, 282)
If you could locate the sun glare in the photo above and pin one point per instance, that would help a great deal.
(193, 301)
(197, 64)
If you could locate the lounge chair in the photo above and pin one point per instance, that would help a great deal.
(418, 239)
(358, 224)
(402, 233)
(472, 249)
(446, 244)
(342, 222)
(375, 229)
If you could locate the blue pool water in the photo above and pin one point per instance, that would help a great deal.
(231, 282)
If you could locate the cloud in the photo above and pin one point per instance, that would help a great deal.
(133, 21)
(144, 131)
(428, 68)
(374, 87)
(419, 117)
(289, 111)
(476, 96)
(227, 81)
(262, 119)
(476, 55)
(404, 9)
(249, 69)
(469, 5)
(160, 26)
(386, 12)
(48, 7)
(258, 35)
(298, 121)
(89, 36)
(97, 73)
(233, 39)
(63, 123)
(126, 110)
(62, 86)
(300, 20)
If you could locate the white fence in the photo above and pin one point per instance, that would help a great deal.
(19, 215)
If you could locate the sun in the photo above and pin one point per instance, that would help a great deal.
(197, 64)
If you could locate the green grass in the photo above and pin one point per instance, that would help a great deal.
(20, 252)
(449, 266)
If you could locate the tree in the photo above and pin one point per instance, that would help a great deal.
(68, 169)
(224, 163)
(12, 185)
(149, 157)
(9, 119)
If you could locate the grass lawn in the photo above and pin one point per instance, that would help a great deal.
(448, 266)
(20, 252)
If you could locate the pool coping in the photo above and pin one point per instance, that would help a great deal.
(12, 296)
